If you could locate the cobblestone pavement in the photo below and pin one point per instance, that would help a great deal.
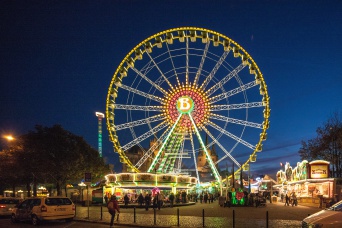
(214, 216)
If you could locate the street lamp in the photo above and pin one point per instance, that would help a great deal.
(8, 137)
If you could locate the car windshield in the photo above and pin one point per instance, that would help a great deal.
(58, 201)
(336, 207)
(9, 201)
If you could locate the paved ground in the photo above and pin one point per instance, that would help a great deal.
(214, 216)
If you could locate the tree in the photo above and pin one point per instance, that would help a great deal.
(327, 145)
(53, 155)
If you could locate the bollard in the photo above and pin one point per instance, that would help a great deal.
(134, 214)
(266, 219)
(203, 217)
(233, 219)
(154, 211)
(177, 216)
(101, 212)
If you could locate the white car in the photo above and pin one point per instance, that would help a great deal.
(38, 209)
(329, 217)
(7, 204)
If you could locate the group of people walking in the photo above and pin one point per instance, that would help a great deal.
(290, 199)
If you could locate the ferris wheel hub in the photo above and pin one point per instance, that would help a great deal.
(187, 100)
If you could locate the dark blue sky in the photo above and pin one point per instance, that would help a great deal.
(58, 58)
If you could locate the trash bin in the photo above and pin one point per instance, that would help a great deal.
(274, 199)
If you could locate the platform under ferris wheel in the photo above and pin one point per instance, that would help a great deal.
(178, 86)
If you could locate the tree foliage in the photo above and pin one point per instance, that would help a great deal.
(50, 155)
(327, 145)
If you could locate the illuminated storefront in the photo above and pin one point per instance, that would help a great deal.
(135, 183)
(310, 181)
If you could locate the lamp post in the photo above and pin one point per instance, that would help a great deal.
(100, 116)
(9, 137)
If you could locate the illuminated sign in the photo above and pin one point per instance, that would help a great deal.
(185, 104)
(319, 171)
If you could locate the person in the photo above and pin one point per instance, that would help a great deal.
(282, 197)
(106, 198)
(126, 199)
(294, 199)
(159, 200)
(201, 198)
(140, 199)
(113, 207)
(205, 198)
(171, 198)
(147, 201)
(287, 200)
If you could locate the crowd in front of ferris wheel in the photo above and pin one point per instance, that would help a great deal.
(162, 199)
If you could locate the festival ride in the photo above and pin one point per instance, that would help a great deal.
(193, 92)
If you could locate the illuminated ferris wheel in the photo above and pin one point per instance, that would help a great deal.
(191, 91)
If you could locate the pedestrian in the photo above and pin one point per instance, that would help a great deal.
(205, 198)
(282, 197)
(106, 198)
(171, 198)
(201, 198)
(158, 200)
(126, 199)
(113, 207)
(287, 200)
(147, 201)
(140, 199)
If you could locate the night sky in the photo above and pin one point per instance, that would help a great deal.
(58, 58)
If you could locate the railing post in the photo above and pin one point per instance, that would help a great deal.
(266, 219)
(177, 216)
(203, 217)
(154, 211)
(101, 212)
(233, 219)
(134, 215)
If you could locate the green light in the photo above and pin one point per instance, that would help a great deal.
(211, 163)
(163, 145)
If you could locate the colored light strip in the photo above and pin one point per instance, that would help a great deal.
(163, 145)
(211, 163)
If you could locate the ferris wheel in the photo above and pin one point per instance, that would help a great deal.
(192, 92)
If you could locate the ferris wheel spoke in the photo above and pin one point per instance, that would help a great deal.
(173, 65)
(161, 73)
(194, 156)
(235, 121)
(145, 135)
(187, 62)
(247, 144)
(227, 154)
(224, 80)
(205, 51)
(232, 92)
(211, 163)
(139, 107)
(236, 106)
(148, 153)
(214, 70)
(139, 122)
(155, 160)
(148, 80)
(141, 93)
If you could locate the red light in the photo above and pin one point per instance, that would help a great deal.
(43, 209)
(2, 206)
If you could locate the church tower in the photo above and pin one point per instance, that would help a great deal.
(202, 163)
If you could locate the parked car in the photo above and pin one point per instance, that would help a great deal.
(330, 217)
(7, 204)
(39, 209)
